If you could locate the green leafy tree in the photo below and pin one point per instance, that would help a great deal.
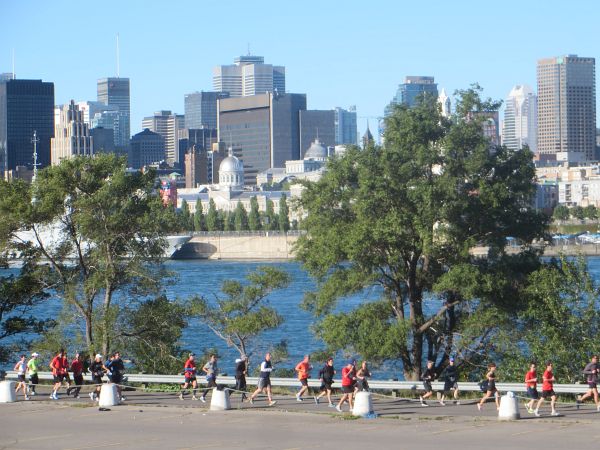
(590, 212)
(108, 236)
(199, 221)
(254, 222)
(212, 217)
(404, 217)
(271, 222)
(561, 212)
(149, 333)
(284, 215)
(243, 312)
(577, 212)
(228, 220)
(240, 217)
(187, 221)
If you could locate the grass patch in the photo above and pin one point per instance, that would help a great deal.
(81, 405)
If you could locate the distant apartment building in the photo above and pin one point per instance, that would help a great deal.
(25, 106)
(264, 130)
(346, 130)
(249, 75)
(115, 92)
(566, 108)
(71, 134)
(145, 148)
(316, 124)
(168, 126)
(520, 119)
(201, 109)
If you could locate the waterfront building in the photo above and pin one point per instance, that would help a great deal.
(264, 130)
(25, 106)
(520, 119)
(249, 75)
(168, 126)
(566, 108)
(145, 148)
(345, 126)
(317, 124)
(115, 92)
(445, 103)
(201, 109)
(71, 134)
(413, 89)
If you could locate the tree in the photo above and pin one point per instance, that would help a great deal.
(271, 222)
(254, 222)
(212, 217)
(99, 229)
(284, 212)
(561, 212)
(228, 220)
(244, 312)
(199, 222)
(404, 217)
(577, 212)
(240, 217)
(187, 222)
(590, 212)
(149, 334)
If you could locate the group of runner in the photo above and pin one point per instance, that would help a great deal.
(353, 379)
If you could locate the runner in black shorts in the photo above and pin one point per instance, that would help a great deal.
(241, 369)
(326, 376)
(97, 370)
(591, 371)
(491, 387)
(547, 390)
(531, 383)
(450, 376)
(21, 368)
(427, 377)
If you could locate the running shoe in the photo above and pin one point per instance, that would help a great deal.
(193, 397)
(338, 408)
(123, 398)
(424, 404)
(479, 406)
(536, 412)
(331, 405)
(316, 400)
(273, 403)
(577, 403)
(27, 397)
(554, 413)
(530, 410)
(180, 396)
(91, 396)
(457, 402)
(54, 397)
(442, 403)
(203, 399)
(298, 399)
(32, 393)
(251, 401)
(76, 396)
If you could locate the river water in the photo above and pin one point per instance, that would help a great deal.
(204, 278)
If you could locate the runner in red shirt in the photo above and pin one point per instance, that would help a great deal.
(77, 369)
(348, 381)
(189, 372)
(59, 367)
(531, 384)
(547, 390)
(303, 369)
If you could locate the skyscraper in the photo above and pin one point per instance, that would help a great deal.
(566, 108)
(115, 120)
(25, 106)
(249, 75)
(345, 126)
(264, 130)
(167, 125)
(71, 134)
(145, 148)
(520, 119)
(115, 91)
(316, 124)
(201, 109)
(409, 92)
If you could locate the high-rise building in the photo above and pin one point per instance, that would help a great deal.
(566, 108)
(520, 119)
(196, 168)
(201, 109)
(145, 148)
(115, 92)
(25, 106)
(411, 91)
(90, 108)
(167, 125)
(264, 130)
(115, 120)
(71, 134)
(445, 103)
(346, 131)
(104, 140)
(249, 75)
(316, 124)
(201, 140)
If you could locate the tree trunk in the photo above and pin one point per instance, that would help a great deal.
(106, 319)
(89, 334)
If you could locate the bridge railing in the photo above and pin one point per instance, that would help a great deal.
(382, 385)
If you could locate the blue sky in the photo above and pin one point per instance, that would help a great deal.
(339, 53)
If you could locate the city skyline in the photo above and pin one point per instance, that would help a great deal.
(331, 56)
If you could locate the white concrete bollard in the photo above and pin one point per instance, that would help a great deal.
(7, 392)
(109, 395)
(219, 401)
(363, 405)
(509, 407)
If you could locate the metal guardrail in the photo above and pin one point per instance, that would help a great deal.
(384, 385)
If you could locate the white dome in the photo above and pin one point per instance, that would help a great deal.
(231, 173)
(316, 151)
(231, 164)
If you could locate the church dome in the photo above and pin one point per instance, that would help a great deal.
(316, 151)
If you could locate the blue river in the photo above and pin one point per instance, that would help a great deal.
(204, 278)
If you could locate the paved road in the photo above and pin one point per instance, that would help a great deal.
(162, 421)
